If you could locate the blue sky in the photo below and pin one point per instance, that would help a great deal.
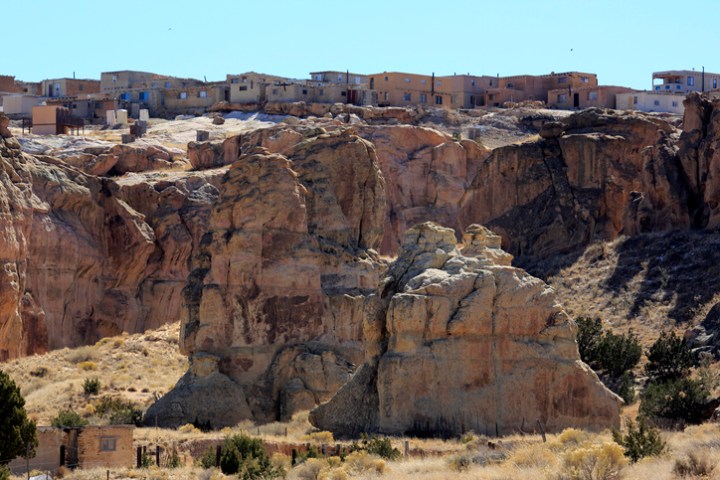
(622, 41)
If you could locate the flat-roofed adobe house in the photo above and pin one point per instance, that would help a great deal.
(80, 447)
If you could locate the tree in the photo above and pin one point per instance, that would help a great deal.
(641, 440)
(614, 356)
(17, 431)
(246, 457)
(669, 358)
(68, 418)
(675, 401)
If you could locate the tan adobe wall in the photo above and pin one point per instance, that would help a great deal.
(95, 447)
(47, 454)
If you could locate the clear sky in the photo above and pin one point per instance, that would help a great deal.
(622, 41)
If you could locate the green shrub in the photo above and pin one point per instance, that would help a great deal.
(68, 418)
(4, 473)
(246, 457)
(376, 446)
(677, 401)
(605, 351)
(593, 462)
(669, 358)
(641, 440)
(91, 386)
(119, 412)
(207, 459)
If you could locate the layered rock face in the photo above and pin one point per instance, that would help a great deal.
(460, 340)
(598, 174)
(274, 298)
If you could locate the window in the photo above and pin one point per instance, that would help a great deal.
(584, 79)
(108, 444)
(154, 85)
(343, 93)
(691, 81)
(406, 80)
(340, 78)
(657, 87)
(304, 92)
(592, 95)
(167, 84)
(242, 88)
(677, 87)
(358, 80)
(562, 80)
(562, 98)
(274, 91)
(423, 98)
(386, 96)
(114, 78)
(491, 83)
(202, 94)
(125, 96)
(656, 103)
(438, 83)
(318, 77)
(143, 96)
(80, 87)
(183, 95)
(321, 92)
(714, 82)
(244, 79)
(438, 99)
(386, 78)
(674, 104)
(667, 87)
(453, 99)
(423, 81)
(234, 80)
(407, 97)
(635, 100)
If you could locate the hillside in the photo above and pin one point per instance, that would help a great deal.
(133, 368)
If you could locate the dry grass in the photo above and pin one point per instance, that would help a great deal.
(130, 367)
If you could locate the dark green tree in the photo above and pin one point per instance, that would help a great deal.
(246, 457)
(641, 440)
(676, 401)
(17, 431)
(669, 358)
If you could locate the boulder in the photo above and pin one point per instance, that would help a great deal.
(457, 341)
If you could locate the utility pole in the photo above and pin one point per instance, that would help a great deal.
(703, 78)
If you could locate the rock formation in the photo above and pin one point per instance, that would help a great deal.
(598, 174)
(275, 294)
(460, 340)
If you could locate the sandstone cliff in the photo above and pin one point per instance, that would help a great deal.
(274, 297)
(460, 340)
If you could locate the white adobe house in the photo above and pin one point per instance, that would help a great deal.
(685, 81)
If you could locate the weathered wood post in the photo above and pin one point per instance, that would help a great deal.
(139, 457)
(542, 430)
(218, 451)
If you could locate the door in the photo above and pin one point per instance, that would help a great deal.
(576, 100)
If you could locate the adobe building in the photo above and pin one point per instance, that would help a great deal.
(684, 81)
(54, 120)
(68, 87)
(335, 76)
(195, 100)
(400, 89)
(19, 105)
(7, 84)
(449, 91)
(651, 102)
(251, 87)
(520, 88)
(602, 96)
(89, 107)
(80, 447)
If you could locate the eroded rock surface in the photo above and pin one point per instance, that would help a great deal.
(460, 340)
(275, 296)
